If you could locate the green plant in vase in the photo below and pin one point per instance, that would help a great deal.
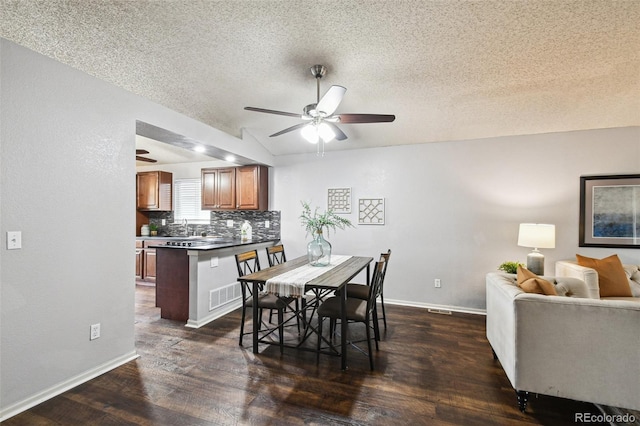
(153, 228)
(314, 222)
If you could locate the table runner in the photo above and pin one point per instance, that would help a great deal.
(292, 283)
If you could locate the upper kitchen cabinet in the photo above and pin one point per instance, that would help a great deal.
(154, 191)
(236, 188)
(219, 189)
(252, 188)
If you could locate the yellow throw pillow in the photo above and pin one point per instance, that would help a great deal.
(612, 280)
(531, 283)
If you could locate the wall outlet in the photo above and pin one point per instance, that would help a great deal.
(95, 331)
(267, 224)
(214, 262)
(437, 283)
(230, 223)
(164, 222)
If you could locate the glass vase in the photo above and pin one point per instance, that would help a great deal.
(319, 250)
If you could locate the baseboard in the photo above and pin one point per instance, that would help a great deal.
(437, 308)
(214, 315)
(62, 387)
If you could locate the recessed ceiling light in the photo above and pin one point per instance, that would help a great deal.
(230, 158)
(199, 148)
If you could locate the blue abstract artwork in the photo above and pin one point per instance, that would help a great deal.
(616, 211)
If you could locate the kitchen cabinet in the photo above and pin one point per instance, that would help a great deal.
(139, 259)
(146, 260)
(154, 191)
(149, 270)
(235, 188)
(218, 188)
(252, 188)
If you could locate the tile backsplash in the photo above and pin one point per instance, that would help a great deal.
(218, 224)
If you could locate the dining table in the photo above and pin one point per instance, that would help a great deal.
(295, 277)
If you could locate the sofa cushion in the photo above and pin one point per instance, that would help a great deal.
(633, 274)
(531, 283)
(612, 279)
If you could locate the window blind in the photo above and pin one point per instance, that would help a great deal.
(187, 201)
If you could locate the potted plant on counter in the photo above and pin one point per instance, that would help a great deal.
(153, 229)
(319, 249)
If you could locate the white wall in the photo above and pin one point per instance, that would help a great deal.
(453, 208)
(67, 181)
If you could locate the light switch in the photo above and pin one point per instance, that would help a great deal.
(14, 240)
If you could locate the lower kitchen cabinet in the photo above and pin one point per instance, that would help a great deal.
(139, 259)
(146, 260)
(149, 264)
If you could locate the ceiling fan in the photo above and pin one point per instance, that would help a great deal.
(320, 120)
(142, 152)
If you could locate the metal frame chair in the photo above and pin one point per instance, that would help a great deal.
(358, 310)
(248, 263)
(361, 291)
(276, 255)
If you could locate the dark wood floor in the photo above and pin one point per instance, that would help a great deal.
(431, 370)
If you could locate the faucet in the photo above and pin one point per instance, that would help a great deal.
(186, 227)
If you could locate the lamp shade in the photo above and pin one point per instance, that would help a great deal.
(537, 235)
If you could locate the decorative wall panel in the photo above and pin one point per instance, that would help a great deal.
(371, 211)
(339, 200)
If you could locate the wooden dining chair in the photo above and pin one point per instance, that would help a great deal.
(358, 311)
(248, 263)
(361, 291)
(276, 255)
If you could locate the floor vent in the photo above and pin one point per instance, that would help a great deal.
(439, 311)
(222, 296)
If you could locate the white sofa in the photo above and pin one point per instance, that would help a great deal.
(565, 346)
(570, 268)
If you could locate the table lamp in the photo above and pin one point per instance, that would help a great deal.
(536, 235)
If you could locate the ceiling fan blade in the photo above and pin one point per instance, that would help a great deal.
(339, 133)
(148, 160)
(366, 118)
(272, 111)
(330, 101)
(141, 151)
(290, 129)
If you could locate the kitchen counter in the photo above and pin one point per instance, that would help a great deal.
(198, 283)
(203, 243)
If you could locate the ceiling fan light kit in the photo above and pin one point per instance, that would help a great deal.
(313, 133)
(319, 118)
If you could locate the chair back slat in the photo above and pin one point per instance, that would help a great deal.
(247, 262)
(376, 283)
(383, 257)
(276, 255)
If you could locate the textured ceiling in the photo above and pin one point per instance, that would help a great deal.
(448, 70)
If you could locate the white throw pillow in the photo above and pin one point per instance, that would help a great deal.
(633, 274)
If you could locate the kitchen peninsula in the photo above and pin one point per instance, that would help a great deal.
(196, 278)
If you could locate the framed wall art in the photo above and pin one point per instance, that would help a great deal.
(371, 211)
(339, 200)
(610, 211)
